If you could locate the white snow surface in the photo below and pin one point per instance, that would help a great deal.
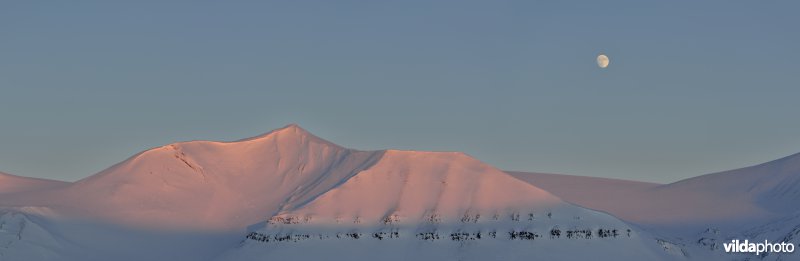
(697, 215)
(23, 239)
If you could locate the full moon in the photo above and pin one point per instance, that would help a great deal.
(602, 61)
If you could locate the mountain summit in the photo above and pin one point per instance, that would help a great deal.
(218, 184)
(290, 186)
(239, 183)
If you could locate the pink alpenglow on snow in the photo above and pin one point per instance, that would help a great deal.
(413, 184)
(15, 184)
(288, 194)
(219, 184)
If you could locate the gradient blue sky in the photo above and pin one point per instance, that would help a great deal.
(693, 87)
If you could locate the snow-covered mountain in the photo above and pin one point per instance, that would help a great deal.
(216, 185)
(15, 184)
(785, 229)
(37, 233)
(699, 214)
(762, 192)
(442, 205)
(769, 189)
(293, 182)
(618, 197)
(23, 238)
(288, 194)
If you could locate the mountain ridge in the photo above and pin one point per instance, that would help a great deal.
(289, 186)
(759, 192)
(233, 184)
(16, 184)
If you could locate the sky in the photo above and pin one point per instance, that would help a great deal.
(693, 87)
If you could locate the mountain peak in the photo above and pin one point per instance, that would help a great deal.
(291, 131)
(290, 128)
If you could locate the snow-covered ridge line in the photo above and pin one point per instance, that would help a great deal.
(290, 185)
(16, 184)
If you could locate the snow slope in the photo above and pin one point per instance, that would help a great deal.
(725, 199)
(32, 234)
(14, 184)
(698, 215)
(415, 205)
(765, 190)
(288, 194)
(412, 184)
(215, 185)
(22, 238)
(619, 197)
(786, 229)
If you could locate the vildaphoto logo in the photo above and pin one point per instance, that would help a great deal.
(757, 248)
